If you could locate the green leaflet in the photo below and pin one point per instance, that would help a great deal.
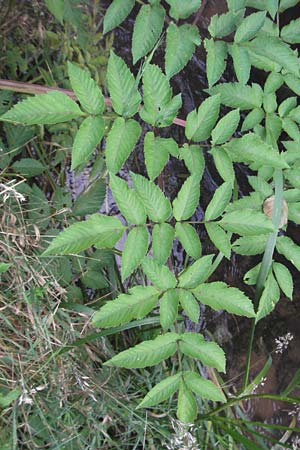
(158, 274)
(250, 245)
(252, 119)
(169, 144)
(236, 95)
(220, 200)
(294, 212)
(148, 24)
(187, 199)
(222, 25)
(209, 353)
(117, 11)
(4, 267)
(122, 87)
(168, 309)
(251, 276)
(286, 247)
(284, 279)
(273, 82)
(200, 124)
(53, 107)
(215, 61)
(290, 33)
(294, 114)
(161, 391)
(156, 156)
(162, 241)
(260, 185)
(286, 106)
(148, 353)
(135, 249)
(202, 387)
(135, 305)
(251, 148)
(180, 47)
(269, 298)
(276, 50)
(187, 405)
(193, 158)
(241, 63)
(28, 167)
(223, 164)
(291, 128)
(226, 127)
(189, 239)
(286, 4)
(91, 200)
(127, 200)
(56, 7)
(88, 136)
(157, 206)
(81, 235)
(189, 304)
(196, 273)
(247, 222)
(219, 296)
(160, 108)
(235, 5)
(249, 27)
(120, 141)
(86, 89)
(219, 238)
(182, 10)
(292, 82)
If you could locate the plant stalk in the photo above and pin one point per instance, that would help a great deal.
(266, 263)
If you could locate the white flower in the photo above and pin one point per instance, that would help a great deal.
(283, 342)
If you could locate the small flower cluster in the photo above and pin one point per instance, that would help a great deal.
(262, 383)
(183, 438)
(27, 395)
(295, 411)
(9, 190)
(283, 342)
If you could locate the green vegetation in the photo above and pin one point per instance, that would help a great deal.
(74, 260)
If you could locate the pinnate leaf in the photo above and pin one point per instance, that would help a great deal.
(86, 89)
(249, 27)
(148, 353)
(189, 239)
(148, 25)
(128, 201)
(187, 405)
(284, 279)
(180, 47)
(161, 392)
(209, 353)
(247, 222)
(162, 241)
(120, 142)
(158, 274)
(182, 10)
(160, 108)
(219, 296)
(202, 387)
(200, 124)
(168, 309)
(269, 298)
(117, 11)
(220, 200)
(156, 156)
(122, 87)
(88, 136)
(157, 206)
(189, 304)
(196, 273)
(135, 305)
(187, 199)
(81, 235)
(53, 107)
(135, 249)
(215, 61)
